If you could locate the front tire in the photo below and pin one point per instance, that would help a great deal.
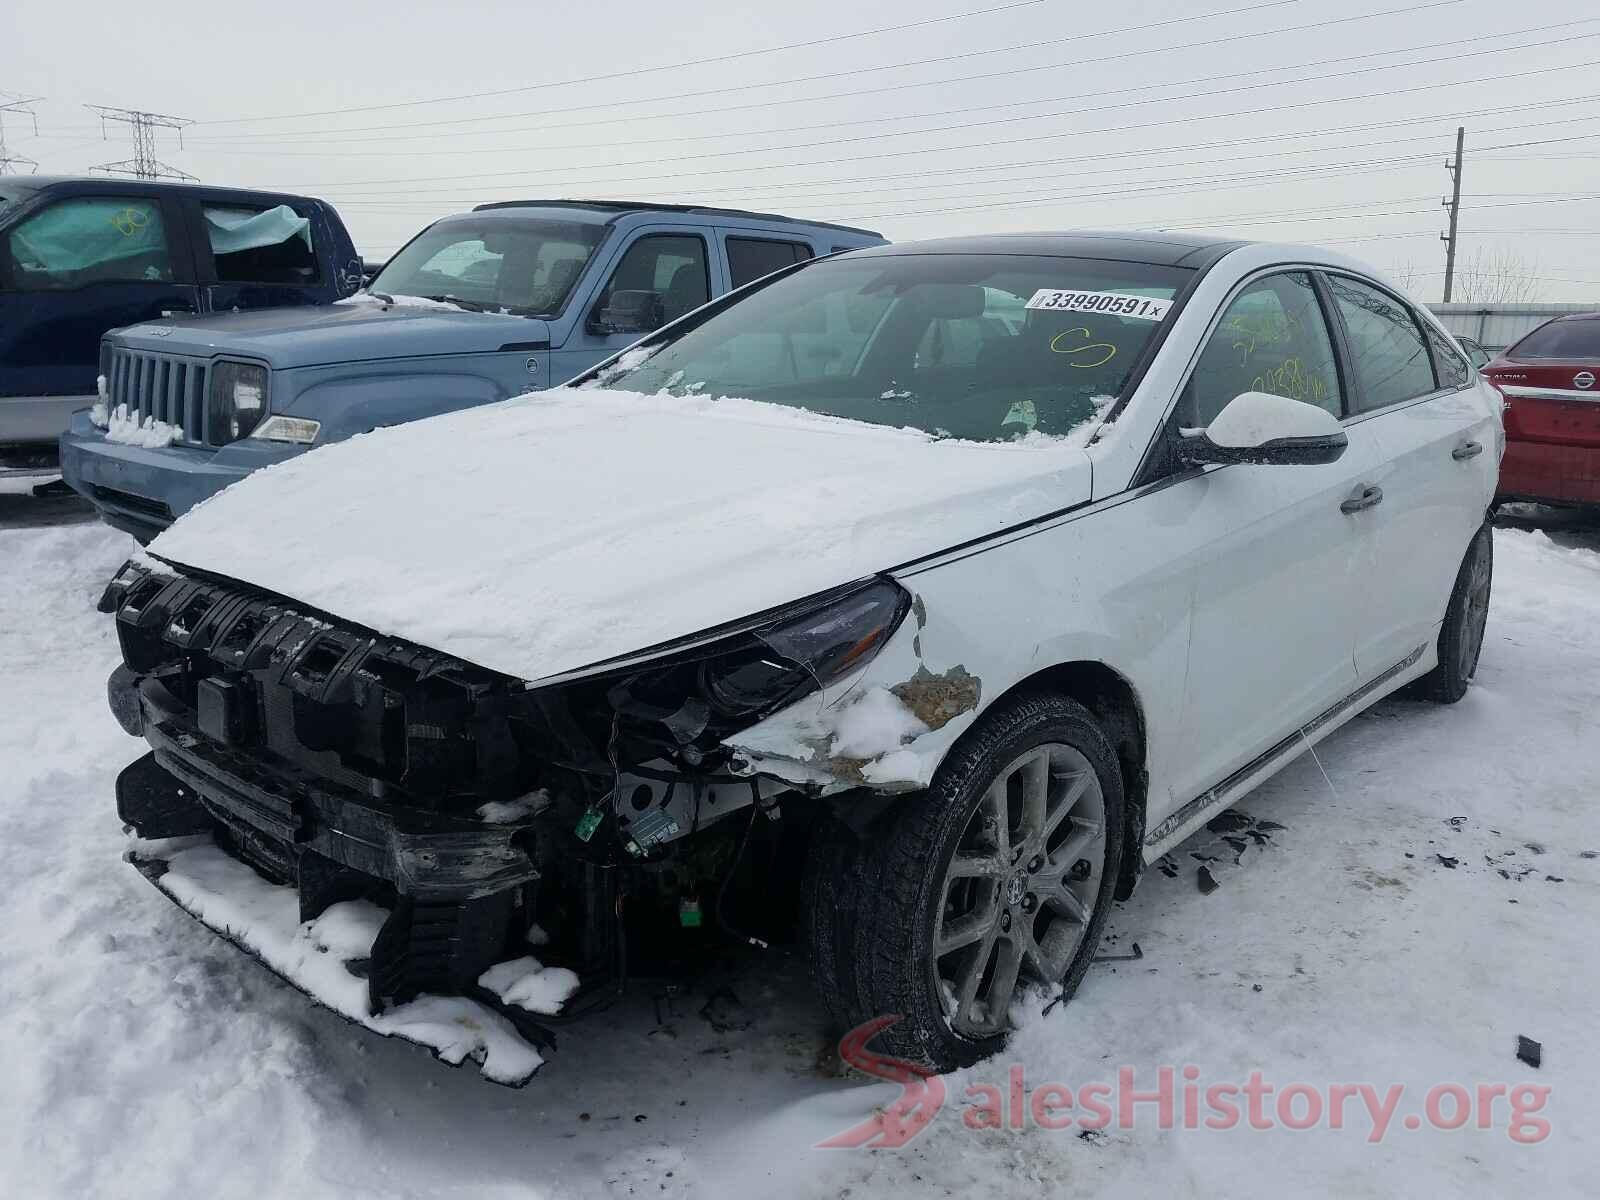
(1461, 636)
(998, 879)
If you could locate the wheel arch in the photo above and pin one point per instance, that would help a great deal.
(1114, 702)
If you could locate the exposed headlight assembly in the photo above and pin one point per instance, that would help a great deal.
(237, 402)
(732, 682)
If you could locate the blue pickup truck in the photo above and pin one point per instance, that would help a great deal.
(80, 256)
(478, 307)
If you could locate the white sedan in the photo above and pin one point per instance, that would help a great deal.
(971, 575)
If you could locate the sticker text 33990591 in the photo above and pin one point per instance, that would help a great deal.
(1119, 304)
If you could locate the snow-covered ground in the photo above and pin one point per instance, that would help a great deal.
(144, 1057)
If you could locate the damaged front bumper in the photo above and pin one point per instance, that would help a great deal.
(407, 923)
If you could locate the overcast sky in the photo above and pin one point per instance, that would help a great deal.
(1304, 120)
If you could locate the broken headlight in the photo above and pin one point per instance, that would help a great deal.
(698, 696)
(795, 655)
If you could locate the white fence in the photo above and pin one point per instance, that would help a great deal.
(1496, 326)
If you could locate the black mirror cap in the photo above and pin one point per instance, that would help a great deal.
(1199, 450)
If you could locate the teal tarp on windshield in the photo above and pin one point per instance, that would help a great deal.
(79, 234)
(235, 229)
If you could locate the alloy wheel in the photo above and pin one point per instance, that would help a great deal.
(1021, 887)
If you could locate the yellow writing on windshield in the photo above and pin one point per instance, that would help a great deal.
(1105, 350)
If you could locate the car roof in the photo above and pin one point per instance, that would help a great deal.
(1160, 248)
(605, 211)
(115, 183)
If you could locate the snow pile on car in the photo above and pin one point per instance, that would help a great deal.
(562, 528)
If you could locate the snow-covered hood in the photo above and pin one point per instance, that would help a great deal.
(336, 333)
(563, 528)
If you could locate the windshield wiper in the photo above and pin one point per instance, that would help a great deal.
(469, 305)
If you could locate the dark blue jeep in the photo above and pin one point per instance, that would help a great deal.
(81, 256)
(478, 307)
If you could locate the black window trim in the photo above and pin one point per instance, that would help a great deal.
(639, 235)
(174, 225)
(1358, 416)
(1150, 462)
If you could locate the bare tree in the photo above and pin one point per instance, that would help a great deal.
(1497, 276)
(1408, 275)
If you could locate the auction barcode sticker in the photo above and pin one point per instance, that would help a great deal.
(1120, 304)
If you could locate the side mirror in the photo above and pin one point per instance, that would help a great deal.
(1268, 430)
(629, 312)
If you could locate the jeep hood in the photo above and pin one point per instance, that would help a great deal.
(563, 528)
(352, 331)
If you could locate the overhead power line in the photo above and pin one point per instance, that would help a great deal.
(1277, 153)
(144, 164)
(1142, 91)
(1366, 95)
(336, 136)
(673, 66)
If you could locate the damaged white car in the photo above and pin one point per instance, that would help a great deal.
(906, 603)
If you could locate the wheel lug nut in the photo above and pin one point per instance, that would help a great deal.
(1028, 903)
(1080, 870)
(1035, 862)
(1005, 920)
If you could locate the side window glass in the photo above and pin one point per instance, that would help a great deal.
(1272, 338)
(660, 278)
(751, 258)
(1448, 364)
(256, 245)
(1388, 355)
(99, 239)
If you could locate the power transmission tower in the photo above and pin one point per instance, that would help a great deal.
(144, 164)
(1454, 205)
(9, 161)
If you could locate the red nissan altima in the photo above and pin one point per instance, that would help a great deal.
(1551, 384)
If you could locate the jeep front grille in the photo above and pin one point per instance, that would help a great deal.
(164, 386)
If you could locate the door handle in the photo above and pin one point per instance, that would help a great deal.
(1467, 450)
(1370, 496)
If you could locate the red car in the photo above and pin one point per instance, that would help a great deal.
(1551, 384)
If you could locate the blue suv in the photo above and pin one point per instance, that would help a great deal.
(79, 256)
(478, 307)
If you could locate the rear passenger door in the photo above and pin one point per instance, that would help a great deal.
(80, 266)
(258, 255)
(1416, 394)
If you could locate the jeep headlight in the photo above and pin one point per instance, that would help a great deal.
(237, 401)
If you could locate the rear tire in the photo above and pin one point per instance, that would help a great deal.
(1011, 904)
(1461, 637)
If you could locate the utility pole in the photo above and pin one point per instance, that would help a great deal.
(144, 164)
(9, 161)
(1454, 205)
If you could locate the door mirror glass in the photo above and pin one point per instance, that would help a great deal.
(628, 312)
(1268, 430)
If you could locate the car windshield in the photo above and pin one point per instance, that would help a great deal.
(985, 347)
(1561, 339)
(525, 266)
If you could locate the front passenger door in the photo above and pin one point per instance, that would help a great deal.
(1276, 564)
(659, 278)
